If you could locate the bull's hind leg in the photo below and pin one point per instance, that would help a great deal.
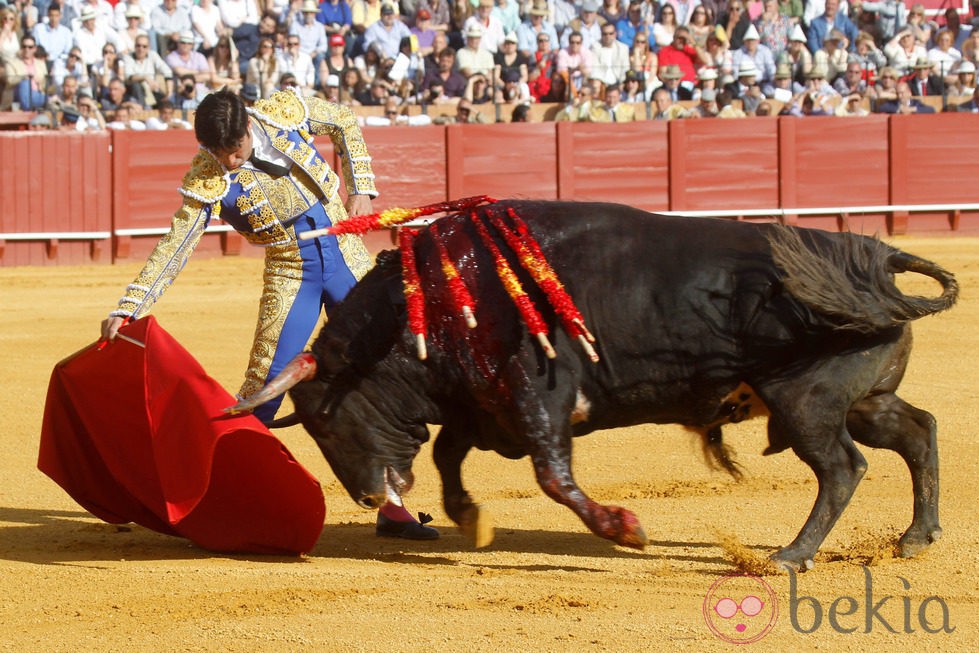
(833, 457)
(886, 421)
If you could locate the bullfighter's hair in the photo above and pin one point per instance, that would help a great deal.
(850, 281)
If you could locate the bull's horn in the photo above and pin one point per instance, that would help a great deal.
(300, 368)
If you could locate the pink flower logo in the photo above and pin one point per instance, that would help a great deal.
(740, 609)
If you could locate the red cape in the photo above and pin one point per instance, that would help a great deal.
(136, 434)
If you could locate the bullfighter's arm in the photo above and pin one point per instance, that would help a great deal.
(340, 124)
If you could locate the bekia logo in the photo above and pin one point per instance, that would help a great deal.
(740, 609)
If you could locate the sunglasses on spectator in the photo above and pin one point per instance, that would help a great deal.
(292, 43)
(28, 47)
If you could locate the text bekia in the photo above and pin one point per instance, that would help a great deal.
(846, 615)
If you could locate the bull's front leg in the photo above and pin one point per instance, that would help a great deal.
(553, 468)
(451, 447)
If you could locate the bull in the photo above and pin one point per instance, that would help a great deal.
(697, 321)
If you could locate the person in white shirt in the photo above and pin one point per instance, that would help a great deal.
(90, 37)
(490, 25)
(295, 61)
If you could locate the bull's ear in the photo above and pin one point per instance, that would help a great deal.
(331, 354)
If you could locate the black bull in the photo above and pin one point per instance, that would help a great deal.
(698, 322)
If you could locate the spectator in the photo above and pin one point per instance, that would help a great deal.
(364, 13)
(237, 13)
(120, 20)
(610, 56)
(225, 69)
(575, 61)
(27, 76)
(188, 94)
(536, 25)
(584, 108)
(131, 30)
(718, 55)
(664, 27)
(918, 25)
(759, 54)
(90, 118)
(735, 22)
(110, 66)
(559, 89)
(774, 28)
(970, 50)
(440, 12)
(541, 70)
(510, 58)
(336, 61)
(972, 106)
(793, 9)
(707, 107)
(612, 11)
(684, 55)
(423, 32)
(206, 20)
(40, 122)
(9, 35)
(798, 56)
(747, 77)
(439, 42)
(832, 57)
(666, 107)
(114, 96)
(514, 90)
(330, 90)
(831, 18)
(185, 60)
(248, 36)
(804, 105)
(148, 78)
(965, 79)
(521, 113)
(54, 37)
(852, 105)
(91, 37)
(451, 83)
(478, 89)
(369, 63)
(821, 91)
(783, 88)
(923, 82)
(386, 33)
(904, 103)
(466, 114)
(166, 118)
(642, 59)
(67, 96)
(123, 119)
(617, 110)
(72, 67)
(295, 61)
(263, 70)
(633, 24)
(249, 94)
(671, 76)
(960, 32)
(169, 22)
(851, 82)
(473, 58)
(490, 25)
(337, 18)
(868, 55)
(706, 78)
(943, 57)
(891, 16)
(588, 25)
(885, 87)
(700, 26)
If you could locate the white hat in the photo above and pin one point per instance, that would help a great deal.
(707, 73)
(88, 13)
(134, 11)
(751, 33)
(332, 80)
(798, 34)
(310, 7)
(747, 69)
(187, 37)
(511, 37)
(474, 31)
(966, 66)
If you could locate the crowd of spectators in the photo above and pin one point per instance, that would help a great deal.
(98, 63)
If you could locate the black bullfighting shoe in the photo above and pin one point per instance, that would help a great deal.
(409, 530)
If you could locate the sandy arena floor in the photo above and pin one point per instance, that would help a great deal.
(69, 582)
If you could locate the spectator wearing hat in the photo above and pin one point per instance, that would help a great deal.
(133, 29)
(617, 109)
(491, 26)
(903, 51)
(754, 50)
(313, 41)
(820, 89)
(510, 58)
(386, 33)
(120, 20)
(535, 25)
(891, 16)
(683, 54)
(905, 102)
(965, 79)
(633, 24)
(185, 60)
(575, 61)
(329, 90)
(832, 57)
(473, 58)
(717, 54)
(783, 88)
(831, 18)
(169, 21)
(423, 32)
(336, 60)
(610, 56)
(706, 79)
(671, 75)
(633, 89)
(707, 107)
(250, 93)
(514, 89)
(747, 77)
(90, 36)
(798, 56)
(587, 24)
(922, 82)
(53, 36)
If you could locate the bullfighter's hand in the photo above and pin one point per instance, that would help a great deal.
(110, 327)
(359, 205)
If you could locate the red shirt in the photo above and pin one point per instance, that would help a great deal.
(685, 58)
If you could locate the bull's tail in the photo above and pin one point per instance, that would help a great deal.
(851, 280)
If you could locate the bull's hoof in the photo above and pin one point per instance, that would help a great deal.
(914, 542)
(785, 562)
(624, 529)
(477, 526)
